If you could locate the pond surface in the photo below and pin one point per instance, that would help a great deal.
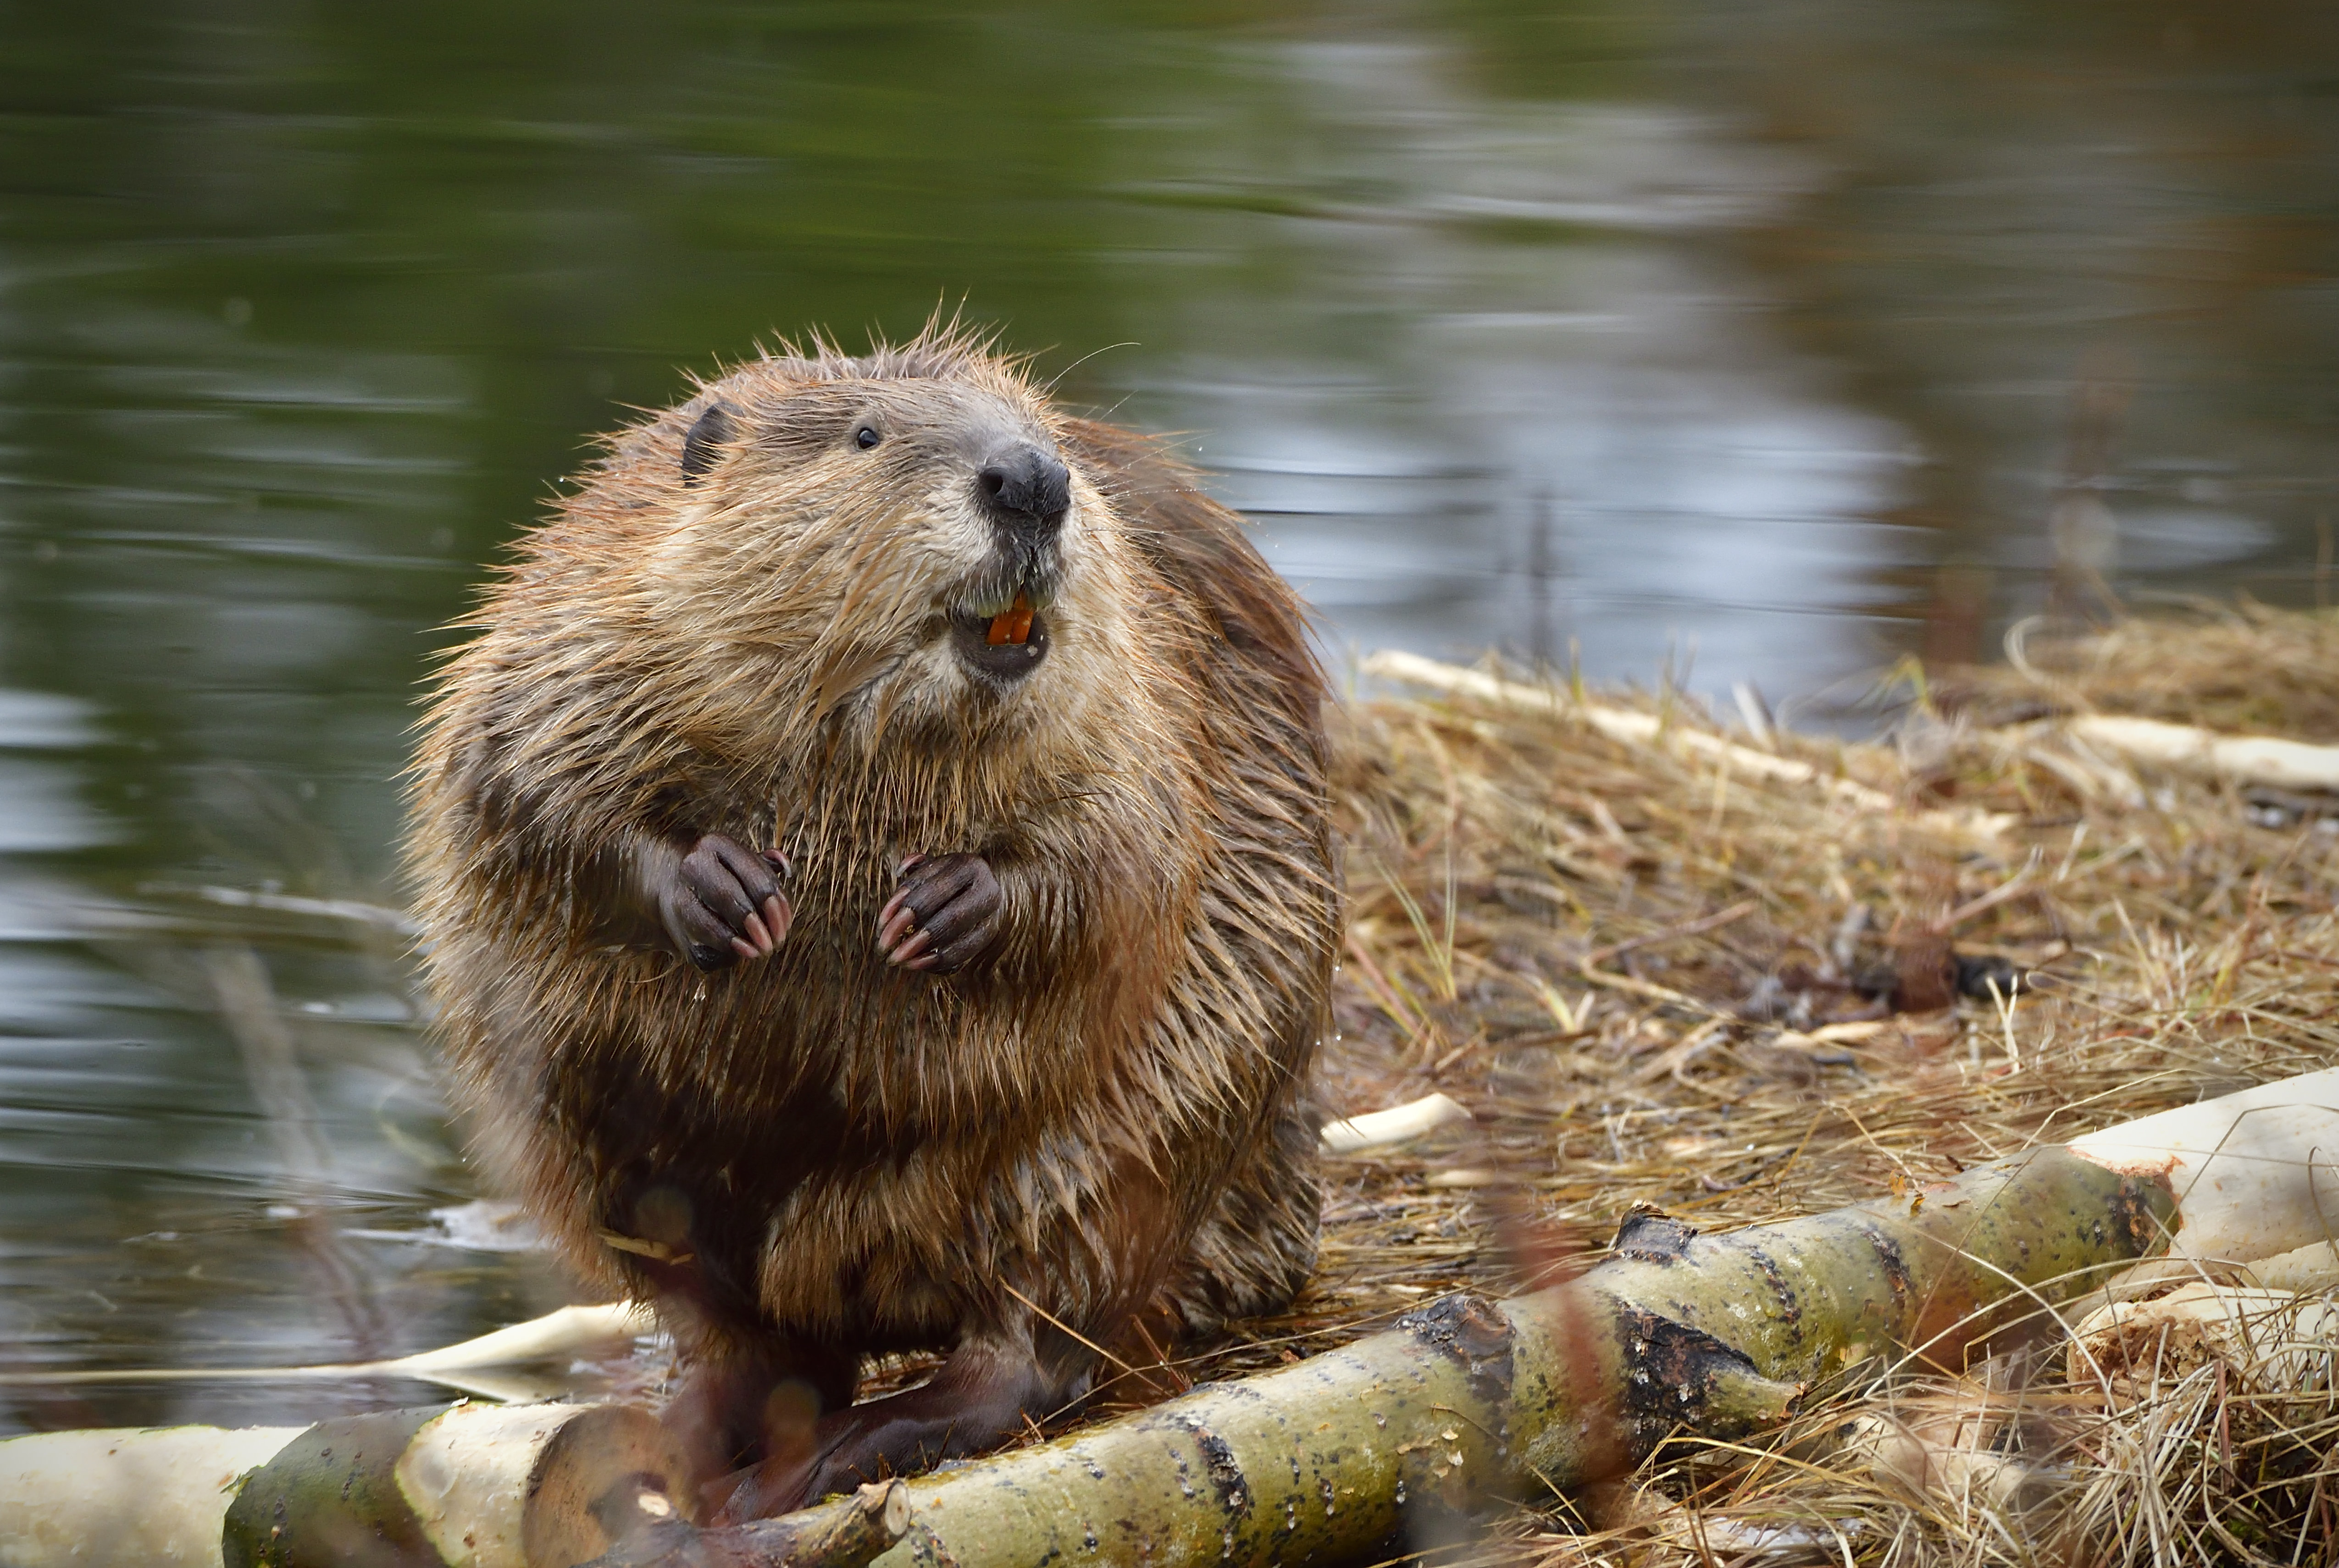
(1755, 342)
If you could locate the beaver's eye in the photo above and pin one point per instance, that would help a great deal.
(864, 438)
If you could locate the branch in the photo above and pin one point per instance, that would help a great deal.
(1398, 1124)
(2247, 759)
(1636, 728)
(562, 1332)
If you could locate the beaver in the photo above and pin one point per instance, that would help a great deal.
(878, 895)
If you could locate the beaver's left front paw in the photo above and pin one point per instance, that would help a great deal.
(943, 916)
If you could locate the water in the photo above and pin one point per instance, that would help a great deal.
(1762, 342)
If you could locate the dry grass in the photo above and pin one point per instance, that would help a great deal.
(1654, 981)
(2241, 667)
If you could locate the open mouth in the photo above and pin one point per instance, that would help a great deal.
(1005, 644)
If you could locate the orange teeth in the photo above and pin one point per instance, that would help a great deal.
(1012, 624)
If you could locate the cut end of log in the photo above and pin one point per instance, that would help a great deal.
(607, 1472)
(893, 1510)
(484, 1486)
(2136, 1347)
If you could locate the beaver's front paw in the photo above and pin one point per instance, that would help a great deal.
(943, 916)
(721, 903)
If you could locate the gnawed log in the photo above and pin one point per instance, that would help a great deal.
(2281, 1335)
(475, 1485)
(479, 1485)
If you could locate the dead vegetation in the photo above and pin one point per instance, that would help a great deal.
(2242, 668)
(1658, 978)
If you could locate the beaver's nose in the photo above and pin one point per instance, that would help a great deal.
(1026, 490)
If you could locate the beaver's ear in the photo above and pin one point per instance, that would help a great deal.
(709, 434)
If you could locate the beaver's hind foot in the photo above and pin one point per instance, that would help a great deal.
(986, 1391)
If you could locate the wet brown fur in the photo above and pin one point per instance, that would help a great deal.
(819, 1156)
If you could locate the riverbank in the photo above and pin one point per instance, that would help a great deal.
(1668, 974)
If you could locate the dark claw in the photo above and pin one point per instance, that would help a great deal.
(943, 916)
(722, 905)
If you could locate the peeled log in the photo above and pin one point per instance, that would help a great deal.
(2243, 1167)
(152, 1497)
(564, 1331)
(476, 1485)
(2281, 1337)
(2245, 759)
(1398, 1124)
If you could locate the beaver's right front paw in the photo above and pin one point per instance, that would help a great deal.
(721, 903)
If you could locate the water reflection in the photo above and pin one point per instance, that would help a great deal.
(1510, 398)
(1655, 332)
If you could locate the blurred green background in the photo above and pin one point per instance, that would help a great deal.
(1765, 339)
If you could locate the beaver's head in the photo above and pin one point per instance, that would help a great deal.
(902, 539)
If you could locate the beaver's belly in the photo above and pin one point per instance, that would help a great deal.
(904, 1250)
